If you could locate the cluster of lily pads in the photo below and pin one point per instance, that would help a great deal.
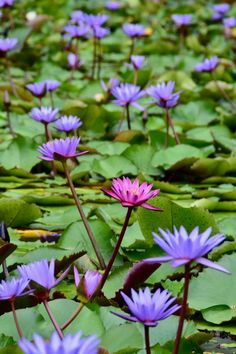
(65, 144)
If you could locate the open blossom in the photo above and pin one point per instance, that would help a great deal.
(90, 281)
(60, 149)
(95, 20)
(229, 22)
(163, 94)
(42, 273)
(133, 30)
(127, 94)
(149, 308)
(6, 3)
(51, 85)
(38, 89)
(207, 65)
(7, 44)
(182, 20)
(219, 11)
(77, 17)
(13, 288)
(132, 194)
(68, 123)
(100, 32)
(70, 344)
(44, 114)
(74, 31)
(137, 61)
(183, 248)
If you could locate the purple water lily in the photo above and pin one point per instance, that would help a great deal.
(73, 61)
(149, 308)
(183, 248)
(219, 11)
(42, 273)
(137, 61)
(78, 17)
(100, 32)
(95, 20)
(70, 344)
(229, 22)
(68, 123)
(127, 94)
(112, 5)
(13, 288)
(6, 3)
(60, 149)
(7, 44)
(133, 30)
(51, 85)
(112, 83)
(207, 65)
(77, 32)
(182, 20)
(44, 114)
(163, 94)
(90, 281)
(38, 89)
(131, 194)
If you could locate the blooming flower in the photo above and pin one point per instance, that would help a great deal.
(220, 10)
(95, 20)
(207, 65)
(6, 3)
(67, 124)
(181, 20)
(38, 89)
(148, 308)
(112, 5)
(132, 194)
(183, 248)
(163, 94)
(13, 288)
(89, 282)
(60, 149)
(229, 22)
(42, 273)
(44, 114)
(51, 85)
(7, 44)
(133, 30)
(70, 344)
(112, 83)
(77, 17)
(76, 31)
(127, 94)
(100, 32)
(137, 61)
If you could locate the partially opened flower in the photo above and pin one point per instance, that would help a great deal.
(137, 61)
(132, 194)
(77, 32)
(100, 32)
(127, 94)
(112, 5)
(133, 30)
(163, 94)
(229, 22)
(42, 273)
(208, 65)
(95, 20)
(13, 288)
(68, 123)
(70, 344)
(38, 89)
(149, 308)
(78, 17)
(220, 10)
(112, 83)
(182, 20)
(52, 85)
(7, 44)
(44, 114)
(60, 149)
(73, 61)
(183, 248)
(88, 283)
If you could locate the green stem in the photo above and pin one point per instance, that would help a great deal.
(15, 319)
(147, 339)
(94, 56)
(52, 318)
(71, 319)
(183, 309)
(84, 219)
(168, 117)
(128, 116)
(116, 249)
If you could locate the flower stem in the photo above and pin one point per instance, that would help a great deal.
(183, 309)
(51, 99)
(9, 123)
(5, 269)
(222, 91)
(167, 130)
(71, 319)
(52, 318)
(15, 318)
(116, 249)
(147, 339)
(84, 219)
(48, 137)
(169, 119)
(94, 56)
(135, 80)
(99, 59)
(128, 116)
(132, 47)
